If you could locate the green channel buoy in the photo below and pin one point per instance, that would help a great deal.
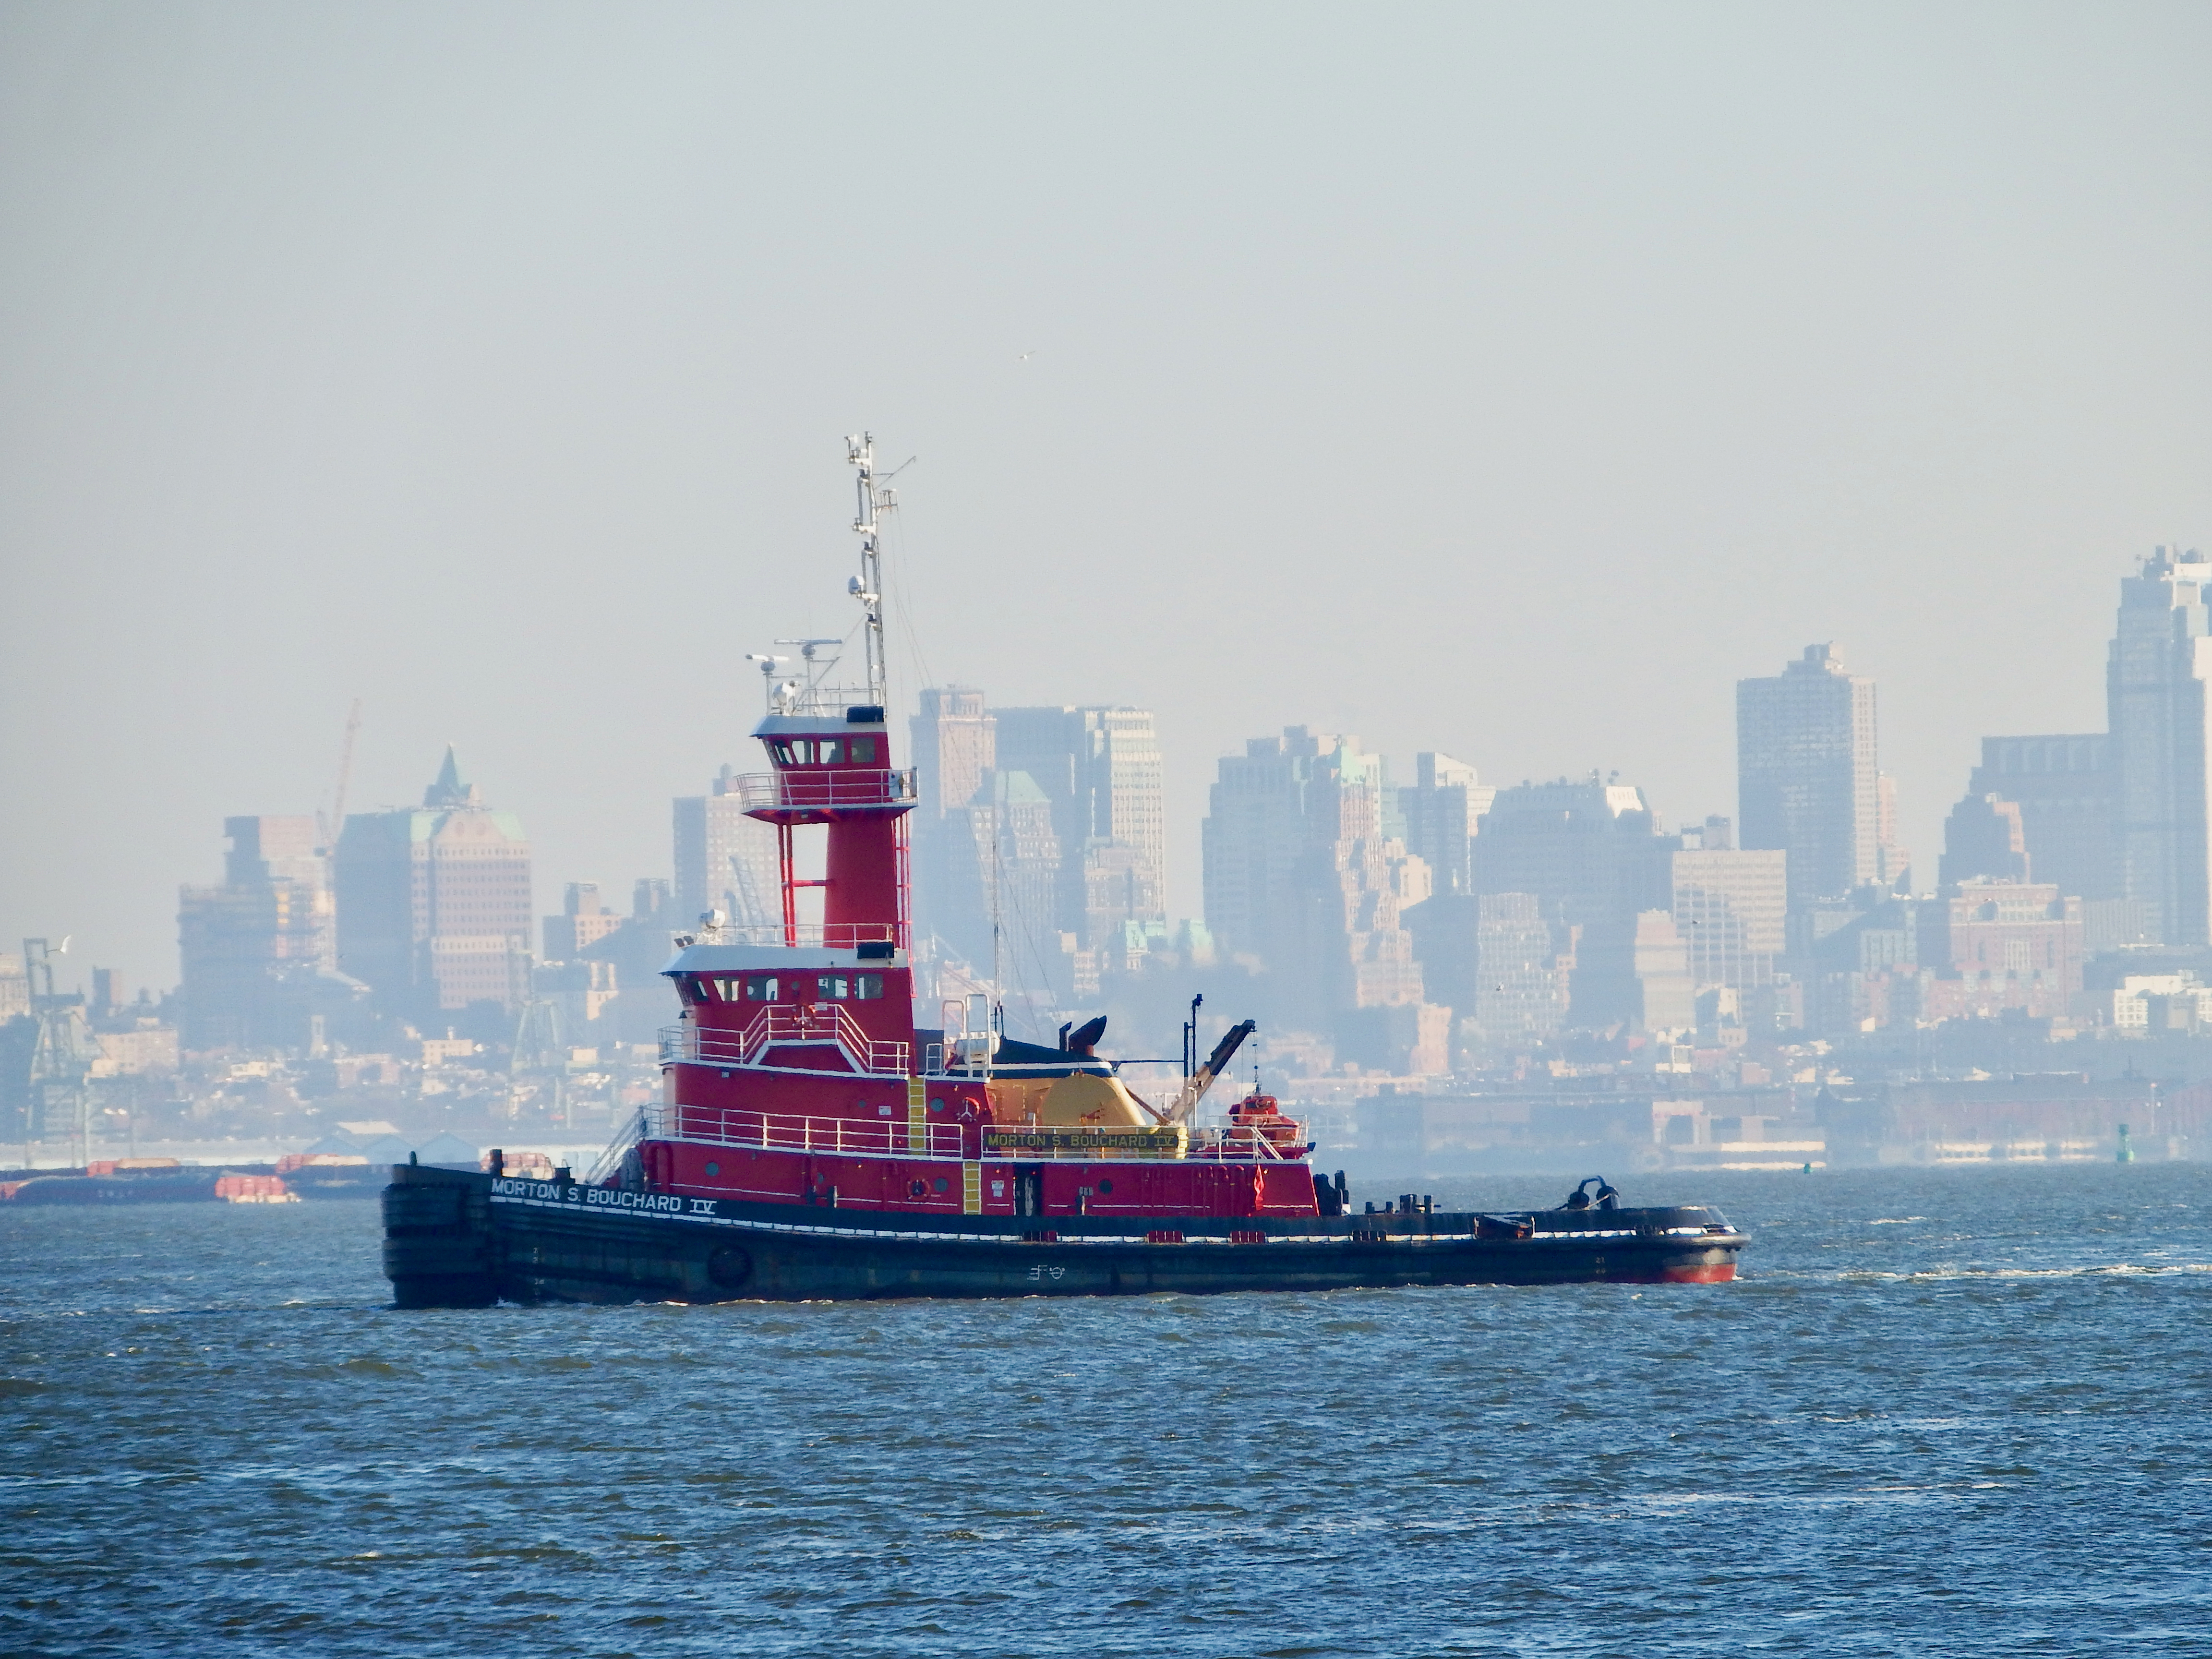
(2127, 1154)
(1809, 1168)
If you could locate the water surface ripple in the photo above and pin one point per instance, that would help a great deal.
(1943, 1412)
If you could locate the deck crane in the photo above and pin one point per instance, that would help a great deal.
(1193, 1089)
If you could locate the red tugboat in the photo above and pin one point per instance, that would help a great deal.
(813, 1142)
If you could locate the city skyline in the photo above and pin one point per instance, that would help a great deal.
(2005, 762)
(1399, 927)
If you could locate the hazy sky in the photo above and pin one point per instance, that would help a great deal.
(1508, 380)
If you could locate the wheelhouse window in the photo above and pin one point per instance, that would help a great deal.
(760, 988)
(830, 750)
(851, 988)
(863, 751)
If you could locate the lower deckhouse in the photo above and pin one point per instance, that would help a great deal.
(776, 1090)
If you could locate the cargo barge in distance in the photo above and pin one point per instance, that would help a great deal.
(812, 1141)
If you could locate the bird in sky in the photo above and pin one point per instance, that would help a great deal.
(1025, 356)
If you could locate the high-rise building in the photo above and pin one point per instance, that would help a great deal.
(1806, 779)
(251, 950)
(1100, 769)
(1893, 864)
(1124, 781)
(1526, 969)
(725, 860)
(1443, 811)
(1666, 992)
(954, 748)
(1983, 839)
(1303, 876)
(2064, 787)
(2160, 668)
(434, 903)
(1255, 833)
(1849, 957)
(2123, 819)
(1731, 910)
(1001, 860)
(583, 921)
(955, 743)
(1095, 775)
(1592, 855)
(1357, 882)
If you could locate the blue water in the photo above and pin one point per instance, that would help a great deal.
(1943, 1413)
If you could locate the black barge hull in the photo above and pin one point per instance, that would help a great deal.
(454, 1239)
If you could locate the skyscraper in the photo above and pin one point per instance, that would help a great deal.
(1731, 910)
(2065, 786)
(1526, 963)
(434, 903)
(583, 921)
(955, 749)
(1100, 768)
(252, 949)
(1442, 811)
(1254, 835)
(1983, 839)
(1003, 868)
(1806, 779)
(1304, 875)
(2160, 662)
(1591, 855)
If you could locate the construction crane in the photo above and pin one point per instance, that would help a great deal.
(752, 904)
(49, 1064)
(334, 826)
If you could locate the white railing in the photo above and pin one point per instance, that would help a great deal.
(1024, 1143)
(829, 788)
(798, 1022)
(808, 935)
(608, 1162)
(711, 1126)
(1269, 1141)
(897, 1137)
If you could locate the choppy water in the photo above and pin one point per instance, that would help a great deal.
(1943, 1413)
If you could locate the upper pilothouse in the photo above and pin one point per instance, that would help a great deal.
(817, 757)
(839, 777)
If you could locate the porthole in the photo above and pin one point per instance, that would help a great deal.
(936, 1105)
(1105, 1185)
(915, 1189)
(939, 1185)
(713, 1169)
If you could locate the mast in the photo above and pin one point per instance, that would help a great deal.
(868, 586)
